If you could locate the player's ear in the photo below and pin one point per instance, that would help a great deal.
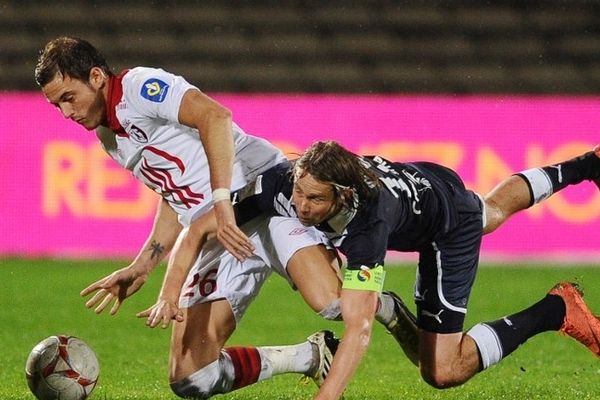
(97, 77)
(348, 196)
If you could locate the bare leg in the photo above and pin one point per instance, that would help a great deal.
(199, 339)
(510, 196)
(451, 359)
(315, 272)
(201, 367)
(322, 295)
(447, 359)
(519, 192)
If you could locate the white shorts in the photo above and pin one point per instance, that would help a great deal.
(216, 274)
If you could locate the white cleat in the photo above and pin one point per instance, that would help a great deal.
(326, 344)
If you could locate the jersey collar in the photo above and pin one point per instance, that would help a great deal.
(115, 94)
(340, 221)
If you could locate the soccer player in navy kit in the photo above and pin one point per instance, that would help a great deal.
(368, 205)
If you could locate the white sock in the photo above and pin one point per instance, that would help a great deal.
(486, 339)
(385, 311)
(333, 311)
(539, 183)
(281, 359)
(216, 377)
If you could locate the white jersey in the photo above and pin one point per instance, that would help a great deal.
(216, 274)
(168, 157)
(143, 108)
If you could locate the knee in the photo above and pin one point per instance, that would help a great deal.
(184, 389)
(439, 378)
(494, 216)
(214, 378)
(324, 301)
(332, 311)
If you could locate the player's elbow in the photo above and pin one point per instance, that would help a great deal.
(213, 119)
(219, 113)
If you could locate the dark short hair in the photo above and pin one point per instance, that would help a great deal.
(332, 164)
(71, 56)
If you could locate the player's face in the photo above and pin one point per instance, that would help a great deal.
(314, 200)
(82, 102)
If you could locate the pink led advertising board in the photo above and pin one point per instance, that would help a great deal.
(62, 196)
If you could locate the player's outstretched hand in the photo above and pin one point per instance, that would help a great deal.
(162, 312)
(115, 287)
(228, 233)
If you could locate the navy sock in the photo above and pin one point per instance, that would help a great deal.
(546, 315)
(574, 171)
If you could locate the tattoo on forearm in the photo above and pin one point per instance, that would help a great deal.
(157, 249)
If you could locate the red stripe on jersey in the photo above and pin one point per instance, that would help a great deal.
(171, 186)
(246, 365)
(161, 185)
(163, 175)
(163, 179)
(168, 156)
(115, 94)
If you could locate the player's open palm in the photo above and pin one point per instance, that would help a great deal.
(115, 287)
(163, 312)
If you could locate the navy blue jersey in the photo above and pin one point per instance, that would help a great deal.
(415, 206)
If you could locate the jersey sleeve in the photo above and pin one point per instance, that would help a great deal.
(366, 246)
(155, 93)
(269, 193)
(365, 250)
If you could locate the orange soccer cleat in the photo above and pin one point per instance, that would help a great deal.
(579, 322)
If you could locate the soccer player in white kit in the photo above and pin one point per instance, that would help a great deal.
(170, 135)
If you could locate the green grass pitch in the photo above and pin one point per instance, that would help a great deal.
(40, 298)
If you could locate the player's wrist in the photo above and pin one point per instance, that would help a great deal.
(170, 297)
(221, 194)
(140, 269)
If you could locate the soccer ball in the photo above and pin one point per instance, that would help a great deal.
(62, 368)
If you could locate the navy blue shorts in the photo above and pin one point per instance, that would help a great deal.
(448, 265)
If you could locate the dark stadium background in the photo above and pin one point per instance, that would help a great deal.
(311, 46)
